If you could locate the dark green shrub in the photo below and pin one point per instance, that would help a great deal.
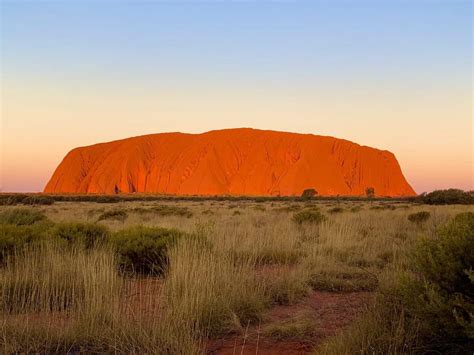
(14, 238)
(117, 214)
(308, 216)
(144, 249)
(336, 210)
(22, 217)
(24, 199)
(165, 210)
(440, 290)
(419, 217)
(448, 197)
(37, 200)
(84, 234)
(308, 194)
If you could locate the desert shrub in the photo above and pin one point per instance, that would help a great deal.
(308, 194)
(105, 199)
(308, 216)
(15, 199)
(83, 234)
(116, 214)
(336, 210)
(419, 217)
(440, 289)
(22, 216)
(289, 208)
(356, 209)
(236, 213)
(144, 249)
(208, 212)
(165, 210)
(38, 200)
(427, 307)
(15, 238)
(448, 197)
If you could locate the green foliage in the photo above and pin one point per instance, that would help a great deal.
(419, 217)
(448, 197)
(370, 192)
(308, 216)
(14, 238)
(336, 210)
(300, 328)
(440, 291)
(116, 214)
(22, 217)
(15, 199)
(143, 249)
(165, 210)
(309, 193)
(84, 234)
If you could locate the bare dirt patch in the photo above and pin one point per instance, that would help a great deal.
(330, 312)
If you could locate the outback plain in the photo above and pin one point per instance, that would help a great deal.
(235, 276)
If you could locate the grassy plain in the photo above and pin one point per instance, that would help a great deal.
(246, 277)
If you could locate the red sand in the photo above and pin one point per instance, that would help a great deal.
(230, 162)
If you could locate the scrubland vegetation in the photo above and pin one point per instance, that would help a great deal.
(194, 276)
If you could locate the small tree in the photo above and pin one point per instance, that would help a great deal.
(370, 192)
(309, 193)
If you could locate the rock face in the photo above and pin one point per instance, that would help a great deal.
(229, 162)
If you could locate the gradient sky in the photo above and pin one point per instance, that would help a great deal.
(394, 75)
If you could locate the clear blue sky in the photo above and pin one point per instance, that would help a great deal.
(395, 75)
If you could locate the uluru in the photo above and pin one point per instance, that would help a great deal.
(239, 161)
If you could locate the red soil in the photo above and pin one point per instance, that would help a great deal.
(332, 312)
(230, 162)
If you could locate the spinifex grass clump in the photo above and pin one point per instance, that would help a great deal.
(144, 249)
(22, 217)
(164, 210)
(116, 214)
(428, 305)
(440, 289)
(87, 235)
(46, 278)
(419, 217)
(208, 292)
(308, 216)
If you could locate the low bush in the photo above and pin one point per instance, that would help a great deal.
(448, 197)
(16, 199)
(117, 214)
(428, 307)
(440, 288)
(165, 210)
(144, 249)
(336, 210)
(308, 216)
(419, 217)
(22, 217)
(15, 238)
(87, 235)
